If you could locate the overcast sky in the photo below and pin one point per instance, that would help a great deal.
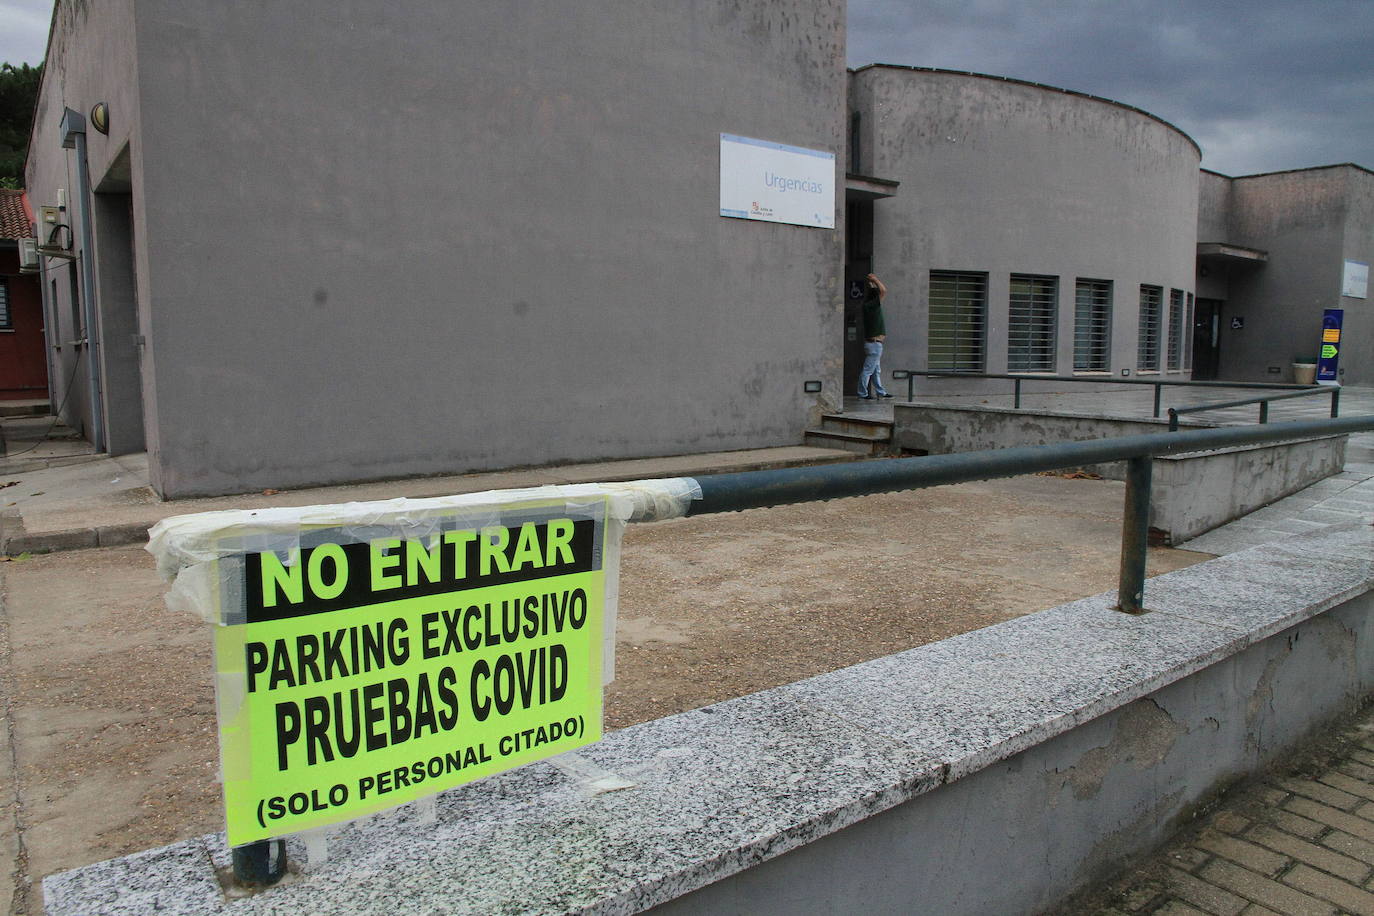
(1261, 85)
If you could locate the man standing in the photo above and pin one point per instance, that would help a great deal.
(875, 332)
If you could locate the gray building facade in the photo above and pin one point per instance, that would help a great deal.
(320, 242)
(337, 242)
(1272, 257)
(1029, 225)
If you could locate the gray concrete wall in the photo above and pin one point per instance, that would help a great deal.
(1004, 177)
(1214, 207)
(120, 332)
(92, 57)
(942, 430)
(1194, 493)
(1357, 351)
(386, 240)
(1190, 494)
(1309, 221)
(1017, 837)
(1213, 225)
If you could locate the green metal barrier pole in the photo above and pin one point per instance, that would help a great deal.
(1135, 536)
(261, 863)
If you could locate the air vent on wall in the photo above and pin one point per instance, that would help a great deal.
(28, 256)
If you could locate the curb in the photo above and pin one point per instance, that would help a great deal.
(137, 532)
(76, 539)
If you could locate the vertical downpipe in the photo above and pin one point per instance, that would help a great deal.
(73, 130)
(1135, 536)
(50, 325)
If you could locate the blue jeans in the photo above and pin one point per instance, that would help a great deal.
(873, 355)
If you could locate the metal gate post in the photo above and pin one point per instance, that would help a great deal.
(1135, 536)
(260, 863)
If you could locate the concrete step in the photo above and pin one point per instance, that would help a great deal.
(858, 443)
(847, 423)
(33, 407)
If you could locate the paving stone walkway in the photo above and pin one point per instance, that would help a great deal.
(1298, 841)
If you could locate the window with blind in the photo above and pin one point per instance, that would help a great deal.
(4, 305)
(1188, 334)
(1175, 352)
(957, 332)
(1031, 317)
(1147, 344)
(1092, 326)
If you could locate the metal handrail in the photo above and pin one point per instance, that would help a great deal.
(756, 489)
(911, 375)
(1263, 402)
(264, 861)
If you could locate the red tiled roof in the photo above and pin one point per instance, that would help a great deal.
(14, 215)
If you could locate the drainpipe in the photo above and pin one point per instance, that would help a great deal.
(73, 129)
(50, 326)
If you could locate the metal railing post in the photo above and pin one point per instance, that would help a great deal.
(1016, 404)
(1264, 412)
(911, 387)
(1135, 536)
(1158, 389)
(260, 863)
(1335, 401)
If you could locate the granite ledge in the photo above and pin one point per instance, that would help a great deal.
(719, 789)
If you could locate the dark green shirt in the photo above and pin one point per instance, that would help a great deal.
(873, 318)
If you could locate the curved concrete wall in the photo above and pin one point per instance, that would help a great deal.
(1003, 177)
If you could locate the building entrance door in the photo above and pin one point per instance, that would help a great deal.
(1206, 339)
(858, 265)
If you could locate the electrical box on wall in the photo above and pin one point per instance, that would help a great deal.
(54, 236)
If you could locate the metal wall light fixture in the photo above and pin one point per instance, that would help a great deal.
(100, 117)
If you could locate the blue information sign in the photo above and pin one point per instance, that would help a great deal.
(1330, 354)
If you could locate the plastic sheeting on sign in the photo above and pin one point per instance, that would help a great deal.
(449, 631)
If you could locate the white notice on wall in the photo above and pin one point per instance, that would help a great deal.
(1355, 283)
(776, 183)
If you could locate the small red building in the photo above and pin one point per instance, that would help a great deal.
(23, 356)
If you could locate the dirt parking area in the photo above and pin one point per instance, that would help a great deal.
(109, 745)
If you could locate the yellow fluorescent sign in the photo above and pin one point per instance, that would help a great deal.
(360, 675)
(1331, 335)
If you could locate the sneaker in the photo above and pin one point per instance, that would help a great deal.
(887, 397)
(863, 397)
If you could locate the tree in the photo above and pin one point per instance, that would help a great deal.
(18, 93)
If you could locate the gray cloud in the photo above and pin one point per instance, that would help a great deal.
(24, 36)
(1261, 85)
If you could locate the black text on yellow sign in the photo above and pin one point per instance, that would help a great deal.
(368, 673)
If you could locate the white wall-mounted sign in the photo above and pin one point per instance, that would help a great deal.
(1355, 282)
(776, 183)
